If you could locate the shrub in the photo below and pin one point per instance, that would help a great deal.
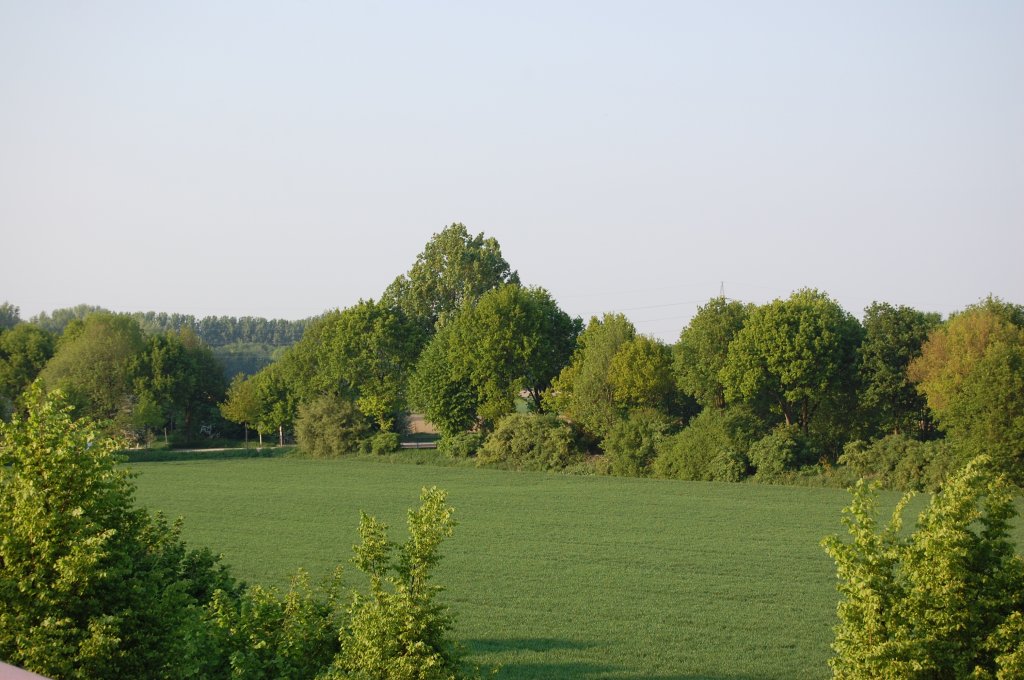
(702, 450)
(779, 451)
(329, 426)
(380, 444)
(899, 462)
(944, 601)
(728, 466)
(461, 445)
(90, 586)
(631, 443)
(527, 441)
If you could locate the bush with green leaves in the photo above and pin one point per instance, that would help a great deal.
(900, 462)
(330, 426)
(528, 441)
(944, 601)
(712, 447)
(380, 444)
(90, 586)
(462, 445)
(631, 443)
(780, 450)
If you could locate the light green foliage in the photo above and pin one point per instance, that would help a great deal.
(631, 444)
(243, 404)
(453, 269)
(330, 426)
(640, 375)
(90, 587)
(583, 391)
(799, 354)
(24, 350)
(892, 338)
(701, 351)
(528, 441)
(262, 634)
(712, 447)
(971, 370)
(782, 449)
(95, 364)
(935, 603)
(399, 631)
(899, 462)
(513, 339)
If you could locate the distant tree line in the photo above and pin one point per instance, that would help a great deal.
(795, 390)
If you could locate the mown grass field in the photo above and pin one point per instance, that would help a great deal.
(552, 576)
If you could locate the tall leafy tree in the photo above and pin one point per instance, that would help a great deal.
(800, 354)
(892, 338)
(703, 345)
(640, 374)
(95, 364)
(9, 316)
(512, 340)
(971, 370)
(453, 268)
(583, 390)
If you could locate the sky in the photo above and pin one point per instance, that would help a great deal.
(280, 159)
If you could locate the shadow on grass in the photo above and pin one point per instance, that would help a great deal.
(569, 669)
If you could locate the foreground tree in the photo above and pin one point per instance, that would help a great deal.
(944, 601)
(90, 587)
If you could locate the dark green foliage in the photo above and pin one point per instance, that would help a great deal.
(901, 462)
(330, 426)
(90, 587)
(381, 443)
(892, 339)
(798, 354)
(24, 351)
(944, 601)
(462, 445)
(631, 444)
(512, 340)
(711, 447)
(528, 441)
(9, 316)
(784, 448)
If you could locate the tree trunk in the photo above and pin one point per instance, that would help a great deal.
(246, 428)
(260, 433)
(280, 434)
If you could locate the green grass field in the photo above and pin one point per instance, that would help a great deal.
(552, 576)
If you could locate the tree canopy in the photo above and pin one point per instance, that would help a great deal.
(703, 346)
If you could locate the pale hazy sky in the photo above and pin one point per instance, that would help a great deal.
(279, 159)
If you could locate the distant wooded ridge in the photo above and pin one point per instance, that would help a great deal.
(215, 331)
